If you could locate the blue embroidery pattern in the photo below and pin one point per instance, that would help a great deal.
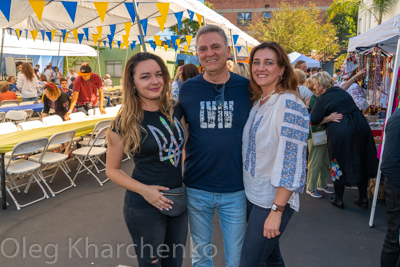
(251, 148)
(289, 164)
(303, 178)
(290, 104)
(294, 134)
(295, 119)
(174, 149)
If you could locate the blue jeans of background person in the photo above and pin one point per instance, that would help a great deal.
(390, 256)
(257, 249)
(26, 99)
(231, 209)
(157, 237)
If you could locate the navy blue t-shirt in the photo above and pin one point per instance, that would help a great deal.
(213, 151)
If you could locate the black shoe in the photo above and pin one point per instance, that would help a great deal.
(362, 204)
(340, 206)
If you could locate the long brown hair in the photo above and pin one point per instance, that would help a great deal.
(129, 119)
(289, 79)
(189, 71)
(27, 70)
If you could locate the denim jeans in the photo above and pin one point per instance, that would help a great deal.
(231, 209)
(257, 249)
(390, 256)
(26, 99)
(159, 240)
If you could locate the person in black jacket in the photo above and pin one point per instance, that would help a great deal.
(390, 167)
(55, 102)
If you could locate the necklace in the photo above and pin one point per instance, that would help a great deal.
(262, 99)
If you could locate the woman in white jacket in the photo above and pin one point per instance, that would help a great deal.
(27, 83)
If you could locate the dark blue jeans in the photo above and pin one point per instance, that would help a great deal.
(257, 249)
(159, 240)
(390, 256)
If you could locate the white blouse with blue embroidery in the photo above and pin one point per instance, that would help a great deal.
(274, 149)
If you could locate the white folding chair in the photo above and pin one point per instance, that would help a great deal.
(91, 154)
(52, 120)
(27, 103)
(48, 157)
(9, 102)
(21, 166)
(29, 113)
(8, 127)
(98, 126)
(16, 116)
(9, 105)
(2, 116)
(29, 125)
(77, 116)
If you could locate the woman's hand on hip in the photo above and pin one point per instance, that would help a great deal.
(272, 224)
(152, 194)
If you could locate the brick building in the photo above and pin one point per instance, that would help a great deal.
(242, 12)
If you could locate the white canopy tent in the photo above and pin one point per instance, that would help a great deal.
(387, 36)
(311, 63)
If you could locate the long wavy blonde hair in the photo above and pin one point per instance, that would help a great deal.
(128, 120)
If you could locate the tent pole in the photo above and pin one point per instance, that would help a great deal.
(1, 54)
(233, 48)
(59, 48)
(388, 114)
(139, 25)
(98, 60)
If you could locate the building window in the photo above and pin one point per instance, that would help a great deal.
(266, 16)
(114, 68)
(244, 18)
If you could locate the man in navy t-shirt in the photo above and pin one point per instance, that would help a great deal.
(216, 106)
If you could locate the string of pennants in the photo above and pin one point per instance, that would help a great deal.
(101, 7)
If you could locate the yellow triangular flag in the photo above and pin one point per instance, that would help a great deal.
(249, 48)
(18, 31)
(186, 48)
(34, 34)
(66, 37)
(178, 42)
(101, 8)
(156, 38)
(166, 48)
(125, 38)
(38, 7)
(159, 43)
(188, 39)
(99, 31)
(95, 38)
(127, 28)
(161, 22)
(199, 19)
(112, 44)
(121, 46)
(53, 32)
(75, 32)
(163, 8)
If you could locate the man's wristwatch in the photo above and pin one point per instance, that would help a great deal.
(277, 208)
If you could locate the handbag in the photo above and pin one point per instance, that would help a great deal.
(319, 138)
(180, 199)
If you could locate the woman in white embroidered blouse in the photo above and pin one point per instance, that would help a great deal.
(358, 94)
(274, 153)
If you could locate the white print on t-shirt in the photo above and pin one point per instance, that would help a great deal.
(173, 149)
(210, 113)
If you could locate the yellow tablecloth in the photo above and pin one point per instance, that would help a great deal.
(8, 141)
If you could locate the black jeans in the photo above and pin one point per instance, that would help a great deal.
(257, 249)
(159, 240)
(391, 249)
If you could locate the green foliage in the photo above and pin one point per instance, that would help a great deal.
(296, 28)
(344, 15)
(340, 61)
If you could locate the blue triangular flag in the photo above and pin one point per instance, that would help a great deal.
(173, 39)
(151, 42)
(64, 32)
(140, 40)
(144, 25)
(154, 47)
(178, 17)
(175, 47)
(5, 7)
(133, 45)
(169, 43)
(239, 48)
(80, 37)
(49, 36)
(119, 44)
(10, 31)
(110, 43)
(235, 38)
(110, 38)
(105, 43)
(71, 9)
(191, 14)
(86, 31)
(26, 34)
(131, 10)
(43, 33)
(112, 30)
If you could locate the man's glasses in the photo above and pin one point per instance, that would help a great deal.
(220, 99)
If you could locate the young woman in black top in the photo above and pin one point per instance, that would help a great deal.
(150, 128)
(54, 101)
